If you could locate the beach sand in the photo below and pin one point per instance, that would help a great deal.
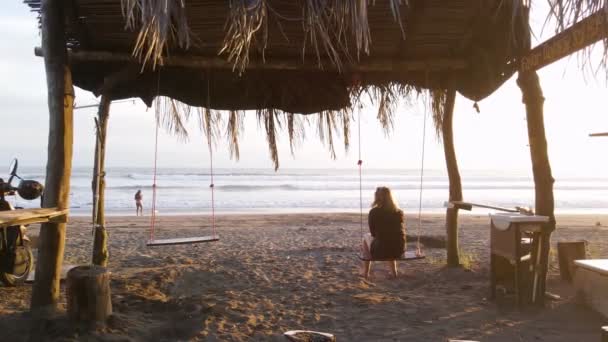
(273, 273)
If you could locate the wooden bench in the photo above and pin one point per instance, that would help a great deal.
(591, 283)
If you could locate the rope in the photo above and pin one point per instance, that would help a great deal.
(212, 185)
(360, 164)
(153, 215)
(418, 251)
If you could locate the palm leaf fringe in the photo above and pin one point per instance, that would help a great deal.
(327, 24)
(328, 125)
(438, 100)
(158, 22)
(172, 115)
(565, 13)
(246, 18)
(234, 128)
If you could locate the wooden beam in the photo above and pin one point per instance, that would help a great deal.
(46, 290)
(451, 220)
(582, 34)
(128, 73)
(206, 62)
(599, 134)
(100, 248)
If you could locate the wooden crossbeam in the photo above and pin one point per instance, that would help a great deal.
(580, 35)
(28, 216)
(206, 62)
(469, 206)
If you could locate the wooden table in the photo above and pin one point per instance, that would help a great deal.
(507, 231)
(28, 216)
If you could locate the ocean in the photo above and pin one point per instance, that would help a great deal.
(186, 191)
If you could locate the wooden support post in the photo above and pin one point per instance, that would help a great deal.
(451, 221)
(100, 248)
(541, 168)
(45, 292)
(88, 294)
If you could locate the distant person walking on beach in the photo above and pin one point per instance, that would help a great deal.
(386, 239)
(138, 203)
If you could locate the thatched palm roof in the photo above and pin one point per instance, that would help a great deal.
(299, 56)
(311, 48)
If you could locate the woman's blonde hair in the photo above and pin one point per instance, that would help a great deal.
(383, 198)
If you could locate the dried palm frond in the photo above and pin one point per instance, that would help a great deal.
(565, 13)
(438, 102)
(346, 115)
(210, 122)
(270, 120)
(387, 98)
(159, 22)
(173, 115)
(395, 9)
(233, 130)
(317, 18)
(295, 130)
(246, 18)
(328, 27)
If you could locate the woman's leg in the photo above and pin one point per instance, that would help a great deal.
(367, 265)
(393, 267)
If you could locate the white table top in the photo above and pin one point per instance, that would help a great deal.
(502, 221)
(597, 265)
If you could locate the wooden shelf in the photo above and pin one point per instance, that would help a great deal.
(29, 216)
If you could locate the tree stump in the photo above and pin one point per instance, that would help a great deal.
(88, 294)
(567, 252)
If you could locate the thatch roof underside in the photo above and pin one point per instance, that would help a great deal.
(327, 39)
(282, 58)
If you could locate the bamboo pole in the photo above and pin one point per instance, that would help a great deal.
(541, 168)
(451, 220)
(100, 248)
(46, 290)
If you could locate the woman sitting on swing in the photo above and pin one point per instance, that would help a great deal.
(386, 240)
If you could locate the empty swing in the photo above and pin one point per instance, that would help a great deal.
(407, 255)
(187, 240)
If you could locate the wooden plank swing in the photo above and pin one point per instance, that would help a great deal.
(154, 242)
(407, 255)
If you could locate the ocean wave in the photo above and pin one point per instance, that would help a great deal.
(336, 186)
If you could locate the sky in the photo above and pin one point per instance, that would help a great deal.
(495, 139)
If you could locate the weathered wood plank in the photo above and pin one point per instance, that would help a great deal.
(582, 34)
(29, 216)
(182, 241)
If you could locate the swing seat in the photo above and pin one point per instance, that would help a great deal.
(407, 256)
(182, 241)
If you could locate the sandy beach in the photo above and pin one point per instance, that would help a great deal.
(273, 273)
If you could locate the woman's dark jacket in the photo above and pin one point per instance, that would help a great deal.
(388, 229)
